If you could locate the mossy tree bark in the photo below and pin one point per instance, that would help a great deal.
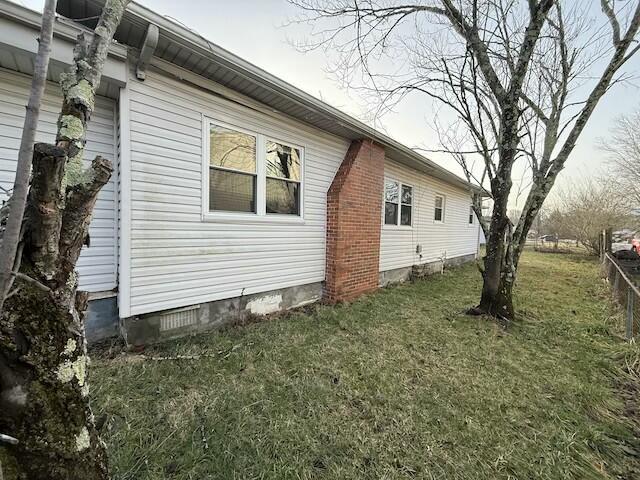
(44, 399)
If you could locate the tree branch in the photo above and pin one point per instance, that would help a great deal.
(615, 25)
(26, 278)
(46, 201)
(80, 200)
(13, 227)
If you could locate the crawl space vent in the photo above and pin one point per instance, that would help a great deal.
(182, 317)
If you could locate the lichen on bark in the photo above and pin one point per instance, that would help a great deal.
(70, 369)
(71, 128)
(44, 401)
(70, 347)
(83, 440)
(75, 172)
(82, 93)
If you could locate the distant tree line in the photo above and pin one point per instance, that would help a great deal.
(611, 200)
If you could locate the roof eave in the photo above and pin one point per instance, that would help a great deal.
(175, 32)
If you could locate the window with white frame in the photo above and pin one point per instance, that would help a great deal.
(232, 170)
(283, 178)
(438, 214)
(471, 215)
(398, 203)
(252, 173)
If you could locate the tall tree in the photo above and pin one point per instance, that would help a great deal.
(623, 148)
(44, 401)
(522, 77)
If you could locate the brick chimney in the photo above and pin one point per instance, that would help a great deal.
(354, 218)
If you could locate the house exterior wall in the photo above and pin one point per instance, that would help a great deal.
(353, 223)
(454, 237)
(97, 264)
(178, 255)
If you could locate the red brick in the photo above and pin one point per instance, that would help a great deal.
(354, 217)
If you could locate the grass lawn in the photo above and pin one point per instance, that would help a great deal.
(400, 384)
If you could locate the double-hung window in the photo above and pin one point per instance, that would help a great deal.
(438, 212)
(250, 173)
(398, 203)
(232, 170)
(471, 215)
(283, 178)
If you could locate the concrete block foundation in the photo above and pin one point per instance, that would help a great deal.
(101, 319)
(159, 326)
(399, 275)
(168, 324)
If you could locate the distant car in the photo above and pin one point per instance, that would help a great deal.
(631, 254)
(548, 238)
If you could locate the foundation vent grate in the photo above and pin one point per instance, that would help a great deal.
(182, 317)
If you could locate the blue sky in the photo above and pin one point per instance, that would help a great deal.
(253, 29)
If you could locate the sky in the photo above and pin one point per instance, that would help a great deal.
(257, 31)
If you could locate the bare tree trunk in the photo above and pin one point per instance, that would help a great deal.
(11, 234)
(497, 286)
(44, 399)
(498, 275)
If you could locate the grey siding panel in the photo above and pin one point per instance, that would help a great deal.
(452, 238)
(177, 258)
(97, 264)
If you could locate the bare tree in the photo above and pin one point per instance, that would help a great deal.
(623, 147)
(588, 207)
(44, 401)
(553, 224)
(522, 78)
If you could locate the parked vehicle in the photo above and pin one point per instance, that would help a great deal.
(548, 238)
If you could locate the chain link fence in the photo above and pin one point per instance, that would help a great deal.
(623, 276)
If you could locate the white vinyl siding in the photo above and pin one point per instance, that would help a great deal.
(97, 264)
(454, 235)
(179, 258)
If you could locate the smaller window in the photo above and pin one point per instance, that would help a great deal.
(471, 215)
(405, 208)
(438, 214)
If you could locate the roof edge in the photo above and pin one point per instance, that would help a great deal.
(63, 28)
(397, 151)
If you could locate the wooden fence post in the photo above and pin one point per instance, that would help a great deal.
(630, 302)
